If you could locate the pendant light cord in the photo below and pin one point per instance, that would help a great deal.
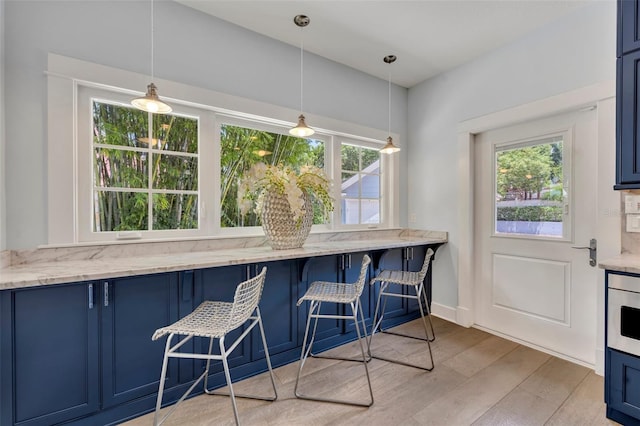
(389, 80)
(152, 41)
(301, 68)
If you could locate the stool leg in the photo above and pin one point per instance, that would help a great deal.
(428, 311)
(355, 311)
(225, 364)
(266, 353)
(163, 375)
(304, 353)
(377, 322)
(206, 370)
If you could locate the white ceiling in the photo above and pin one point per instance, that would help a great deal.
(427, 36)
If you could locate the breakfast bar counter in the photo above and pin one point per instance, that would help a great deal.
(76, 322)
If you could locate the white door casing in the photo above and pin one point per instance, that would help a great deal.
(608, 218)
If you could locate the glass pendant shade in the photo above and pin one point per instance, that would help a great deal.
(389, 148)
(151, 102)
(301, 130)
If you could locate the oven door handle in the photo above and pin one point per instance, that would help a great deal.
(593, 251)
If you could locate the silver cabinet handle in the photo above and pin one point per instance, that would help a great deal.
(90, 288)
(106, 293)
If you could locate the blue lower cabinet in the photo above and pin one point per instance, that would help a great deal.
(132, 309)
(623, 387)
(393, 259)
(54, 355)
(82, 353)
(321, 268)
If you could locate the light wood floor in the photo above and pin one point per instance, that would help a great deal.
(479, 379)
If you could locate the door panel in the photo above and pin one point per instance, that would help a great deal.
(533, 202)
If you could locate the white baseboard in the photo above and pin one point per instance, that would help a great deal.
(442, 311)
(599, 367)
(464, 316)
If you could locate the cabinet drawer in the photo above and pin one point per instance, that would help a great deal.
(624, 383)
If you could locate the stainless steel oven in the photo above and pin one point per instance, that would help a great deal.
(623, 329)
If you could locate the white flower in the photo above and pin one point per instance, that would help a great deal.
(285, 180)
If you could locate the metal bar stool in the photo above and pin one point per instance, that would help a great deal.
(215, 320)
(347, 294)
(409, 279)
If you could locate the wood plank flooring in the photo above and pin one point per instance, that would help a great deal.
(479, 379)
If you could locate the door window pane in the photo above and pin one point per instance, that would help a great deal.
(531, 195)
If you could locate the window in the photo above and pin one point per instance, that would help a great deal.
(135, 175)
(242, 147)
(145, 169)
(531, 192)
(360, 185)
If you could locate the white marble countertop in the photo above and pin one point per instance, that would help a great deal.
(60, 266)
(625, 262)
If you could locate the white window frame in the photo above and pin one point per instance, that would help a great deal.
(66, 176)
(385, 184)
(85, 192)
(265, 126)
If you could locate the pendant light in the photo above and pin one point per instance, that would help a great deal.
(150, 102)
(389, 148)
(301, 130)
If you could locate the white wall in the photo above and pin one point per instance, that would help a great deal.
(191, 48)
(575, 51)
(3, 227)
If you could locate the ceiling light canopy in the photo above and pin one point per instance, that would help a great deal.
(389, 148)
(151, 102)
(301, 130)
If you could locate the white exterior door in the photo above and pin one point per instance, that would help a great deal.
(534, 192)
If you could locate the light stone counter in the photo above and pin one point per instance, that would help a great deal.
(625, 262)
(48, 266)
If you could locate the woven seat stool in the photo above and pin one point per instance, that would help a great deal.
(214, 320)
(414, 280)
(320, 292)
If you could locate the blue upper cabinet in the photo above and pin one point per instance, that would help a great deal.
(627, 97)
(628, 31)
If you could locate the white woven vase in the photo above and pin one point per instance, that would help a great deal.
(278, 223)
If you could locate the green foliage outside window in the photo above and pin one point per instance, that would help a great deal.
(243, 147)
(135, 171)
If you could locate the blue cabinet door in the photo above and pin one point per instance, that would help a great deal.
(628, 131)
(278, 308)
(54, 354)
(623, 380)
(321, 268)
(628, 31)
(219, 284)
(367, 299)
(132, 309)
(393, 259)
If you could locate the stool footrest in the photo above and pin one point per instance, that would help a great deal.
(238, 395)
(338, 358)
(395, 361)
(431, 339)
(334, 401)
